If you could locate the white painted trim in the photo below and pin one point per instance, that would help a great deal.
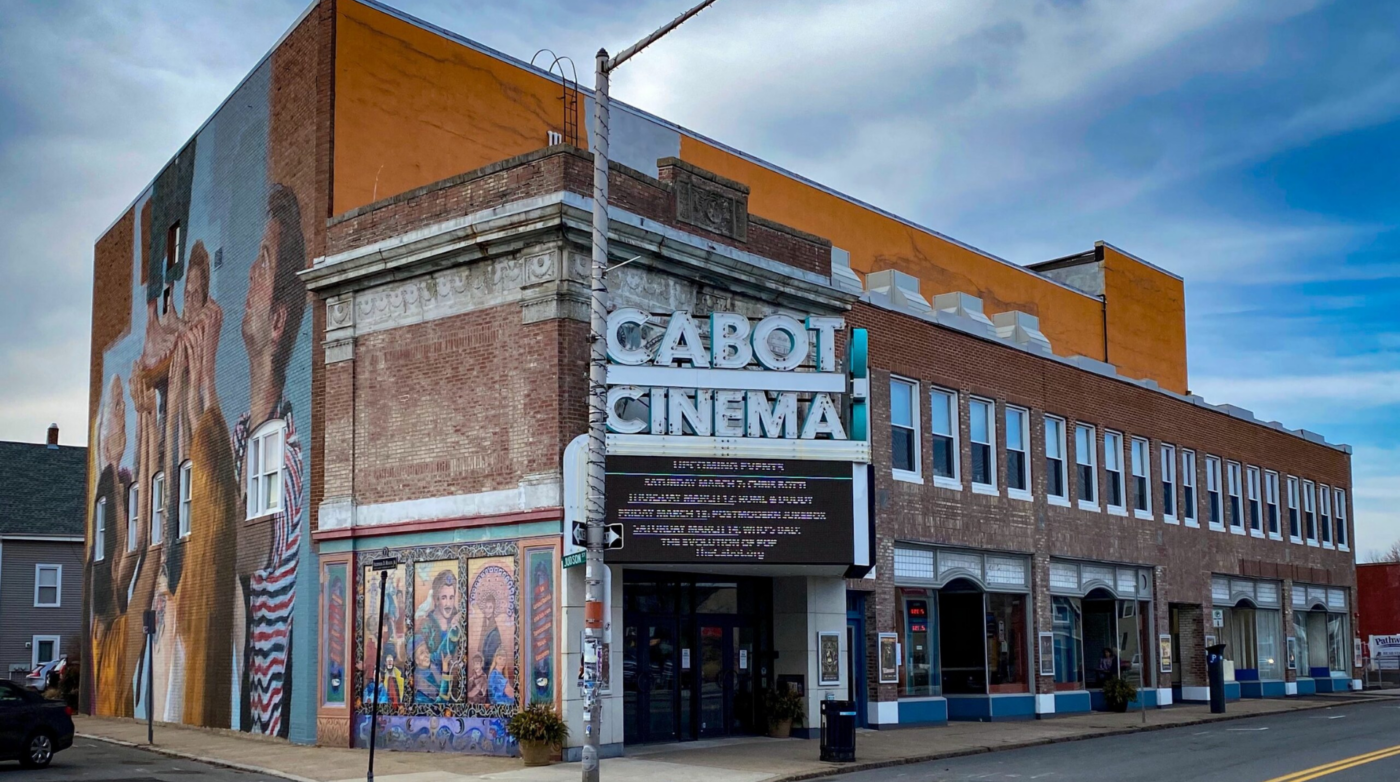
(883, 712)
(38, 566)
(1051, 499)
(1254, 533)
(1020, 494)
(735, 379)
(46, 538)
(1164, 696)
(1045, 703)
(1356, 684)
(744, 447)
(1142, 514)
(1089, 506)
(34, 648)
(1170, 519)
(545, 492)
(1118, 510)
(1195, 694)
(947, 483)
(906, 476)
(987, 489)
(1290, 688)
(1192, 524)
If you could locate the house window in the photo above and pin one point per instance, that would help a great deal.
(1324, 521)
(1343, 539)
(48, 586)
(1271, 504)
(184, 510)
(904, 430)
(944, 427)
(982, 426)
(265, 464)
(172, 257)
(1055, 458)
(1142, 500)
(1113, 470)
(44, 649)
(1232, 479)
(1188, 488)
(133, 515)
(1309, 514)
(99, 530)
(1169, 484)
(1213, 492)
(1256, 521)
(1018, 465)
(157, 509)
(1086, 471)
(1295, 525)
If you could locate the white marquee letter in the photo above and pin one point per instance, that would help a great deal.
(682, 342)
(618, 352)
(822, 418)
(797, 339)
(698, 411)
(729, 331)
(775, 419)
(826, 329)
(729, 413)
(616, 423)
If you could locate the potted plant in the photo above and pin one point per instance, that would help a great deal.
(538, 731)
(784, 706)
(1118, 693)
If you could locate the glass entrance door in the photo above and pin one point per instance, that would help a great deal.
(651, 680)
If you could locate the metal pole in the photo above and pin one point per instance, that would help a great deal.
(378, 663)
(150, 688)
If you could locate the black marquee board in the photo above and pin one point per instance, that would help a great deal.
(731, 511)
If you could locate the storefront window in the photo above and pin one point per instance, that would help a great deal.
(1268, 631)
(1006, 642)
(1101, 643)
(962, 651)
(1131, 627)
(919, 673)
(1338, 643)
(1241, 644)
(1068, 627)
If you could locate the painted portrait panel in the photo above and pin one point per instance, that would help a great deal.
(333, 615)
(437, 630)
(539, 597)
(393, 687)
(491, 627)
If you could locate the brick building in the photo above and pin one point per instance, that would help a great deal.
(1028, 500)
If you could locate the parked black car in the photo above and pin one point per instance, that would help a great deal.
(32, 727)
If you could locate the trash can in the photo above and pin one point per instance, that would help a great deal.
(838, 731)
(1215, 663)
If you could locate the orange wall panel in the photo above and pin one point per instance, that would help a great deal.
(1146, 321)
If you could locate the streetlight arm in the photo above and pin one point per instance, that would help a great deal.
(626, 54)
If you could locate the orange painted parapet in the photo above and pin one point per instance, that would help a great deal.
(1146, 320)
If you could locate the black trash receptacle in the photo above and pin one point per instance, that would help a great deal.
(838, 731)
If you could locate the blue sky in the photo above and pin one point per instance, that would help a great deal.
(1248, 146)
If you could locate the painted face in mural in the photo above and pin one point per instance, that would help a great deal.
(445, 599)
(114, 423)
(276, 300)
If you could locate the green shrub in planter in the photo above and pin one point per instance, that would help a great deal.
(784, 707)
(1118, 693)
(538, 730)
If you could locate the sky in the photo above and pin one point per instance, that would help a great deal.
(1250, 147)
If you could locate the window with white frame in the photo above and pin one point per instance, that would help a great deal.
(904, 429)
(1215, 518)
(48, 586)
(43, 649)
(1256, 517)
(99, 530)
(1142, 483)
(1018, 463)
(1232, 485)
(1324, 514)
(943, 406)
(1113, 470)
(1169, 483)
(157, 508)
(1343, 536)
(265, 461)
(186, 473)
(1271, 504)
(133, 516)
(1309, 514)
(1295, 523)
(1086, 470)
(1055, 458)
(1188, 488)
(982, 429)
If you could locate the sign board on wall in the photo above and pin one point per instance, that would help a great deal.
(889, 658)
(1385, 646)
(1217, 617)
(1164, 652)
(1047, 654)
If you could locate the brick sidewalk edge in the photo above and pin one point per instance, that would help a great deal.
(159, 750)
(849, 768)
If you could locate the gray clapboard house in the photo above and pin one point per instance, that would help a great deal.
(41, 553)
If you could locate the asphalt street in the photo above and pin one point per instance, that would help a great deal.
(1294, 747)
(97, 761)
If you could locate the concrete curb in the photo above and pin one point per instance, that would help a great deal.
(851, 768)
(198, 758)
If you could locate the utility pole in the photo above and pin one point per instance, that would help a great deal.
(597, 398)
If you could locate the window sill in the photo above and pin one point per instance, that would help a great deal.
(48, 605)
(1051, 499)
(1193, 524)
(1114, 510)
(1298, 541)
(1214, 527)
(1020, 494)
(981, 488)
(947, 483)
(1237, 531)
(899, 475)
(1089, 506)
(157, 545)
(1142, 514)
(1275, 536)
(1312, 543)
(1170, 520)
(1254, 533)
(1327, 546)
(1344, 548)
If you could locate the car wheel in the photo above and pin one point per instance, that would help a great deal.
(38, 751)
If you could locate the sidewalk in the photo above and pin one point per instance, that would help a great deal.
(749, 759)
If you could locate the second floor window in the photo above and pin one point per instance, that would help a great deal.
(1113, 469)
(133, 517)
(1343, 539)
(1271, 503)
(99, 530)
(48, 586)
(1309, 513)
(904, 428)
(1213, 492)
(943, 410)
(1142, 500)
(157, 508)
(1232, 478)
(1324, 516)
(1086, 473)
(982, 426)
(265, 469)
(1018, 437)
(1295, 524)
(186, 473)
(1188, 487)
(1055, 457)
(1256, 522)
(1168, 482)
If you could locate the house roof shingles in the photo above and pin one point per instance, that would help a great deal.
(41, 489)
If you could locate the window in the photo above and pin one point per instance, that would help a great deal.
(184, 509)
(1232, 480)
(1169, 484)
(172, 257)
(1018, 465)
(1343, 539)
(48, 586)
(944, 426)
(157, 509)
(1256, 521)
(1271, 504)
(1142, 500)
(920, 675)
(904, 437)
(265, 459)
(1213, 492)
(1295, 527)
(982, 425)
(133, 514)
(1086, 473)
(44, 649)
(1188, 488)
(1113, 471)
(1055, 460)
(1309, 514)
(1324, 521)
(99, 530)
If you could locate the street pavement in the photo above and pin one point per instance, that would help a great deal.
(97, 761)
(1331, 745)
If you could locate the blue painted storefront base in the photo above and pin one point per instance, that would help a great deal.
(1332, 684)
(923, 712)
(1077, 702)
(989, 708)
(1307, 687)
(1232, 691)
(1097, 700)
(1264, 688)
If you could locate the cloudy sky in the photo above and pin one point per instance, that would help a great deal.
(1249, 146)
